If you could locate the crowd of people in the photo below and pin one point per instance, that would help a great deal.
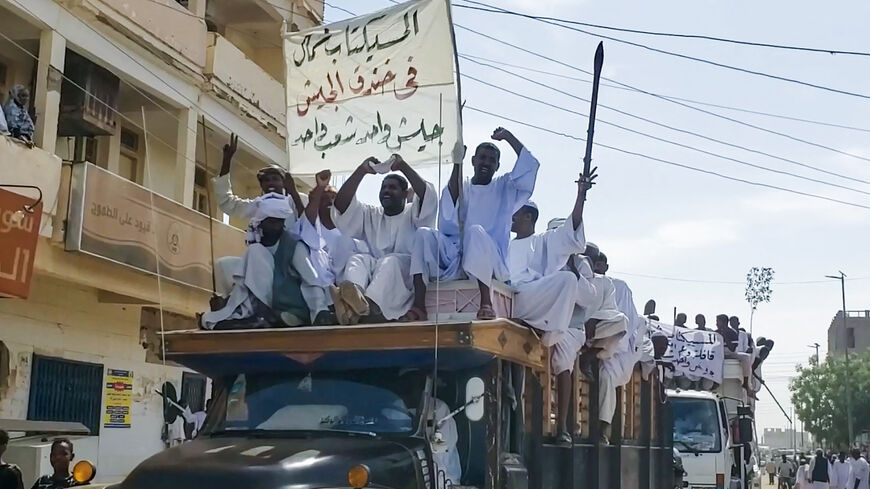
(738, 344)
(15, 120)
(821, 471)
(327, 258)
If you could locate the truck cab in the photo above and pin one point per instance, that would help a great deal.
(400, 406)
(713, 431)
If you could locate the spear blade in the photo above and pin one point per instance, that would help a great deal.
(590, 132)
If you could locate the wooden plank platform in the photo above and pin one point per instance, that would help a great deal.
(502, 338)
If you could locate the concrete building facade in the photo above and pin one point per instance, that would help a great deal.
(786, 438)
(132, 102)
(854, 334)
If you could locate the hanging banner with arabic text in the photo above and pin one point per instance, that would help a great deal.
(693, 353)
(373, 85)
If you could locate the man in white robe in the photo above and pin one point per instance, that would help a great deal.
(545, 291)
(378, 285)
(251, 294)
(842, 471)
(272, 179)
(485, 209)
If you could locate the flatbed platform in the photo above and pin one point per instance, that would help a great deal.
(457, 340)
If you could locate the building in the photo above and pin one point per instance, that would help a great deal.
(133, 102)
(855, 333)
(786, 438)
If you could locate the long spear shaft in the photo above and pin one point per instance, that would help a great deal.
(599, 61)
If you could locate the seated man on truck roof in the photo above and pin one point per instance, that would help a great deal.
(272, 179)
(323, 253)
(486, 208)
(377, 285)
(266, 292)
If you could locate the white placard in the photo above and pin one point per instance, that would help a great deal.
(373, 85)
(694, 353)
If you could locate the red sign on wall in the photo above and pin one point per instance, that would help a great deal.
(19, 231)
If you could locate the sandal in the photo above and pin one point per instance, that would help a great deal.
(564, 438)
(345, 315)
(485, 313)
(354, 298)
(415, 314)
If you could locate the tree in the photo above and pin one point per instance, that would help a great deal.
(758, 289)
(818, 395)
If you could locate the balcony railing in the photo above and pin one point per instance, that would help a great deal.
(20, 165)
(243, 82)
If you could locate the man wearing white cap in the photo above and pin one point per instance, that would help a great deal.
(485, 209)
(254, 299)
(378, 285)
(545, 292)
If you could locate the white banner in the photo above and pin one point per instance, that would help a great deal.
(693, 353)
(373, 85)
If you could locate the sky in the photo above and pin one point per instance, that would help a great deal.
(658, 222)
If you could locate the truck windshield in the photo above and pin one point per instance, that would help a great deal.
(372, 401)
(696, 425)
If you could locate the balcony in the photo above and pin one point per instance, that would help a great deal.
(243, 83)
(160, 26)
(32, 166)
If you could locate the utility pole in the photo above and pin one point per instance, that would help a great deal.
(842, 279)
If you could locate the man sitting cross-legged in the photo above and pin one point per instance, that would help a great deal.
(377, 285)
(266, 291)
(485, 208)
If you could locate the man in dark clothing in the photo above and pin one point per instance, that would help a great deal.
(61, 457)
(820, 469)
(729, 334)
(10, 474)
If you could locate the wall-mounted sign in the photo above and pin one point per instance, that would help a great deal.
(116, 219)
(119, 398)
(19, 231)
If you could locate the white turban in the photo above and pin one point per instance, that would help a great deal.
(554, 223)
(267, 205)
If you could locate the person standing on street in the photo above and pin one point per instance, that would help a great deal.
(842, 471)
(61, 457)
(785, 471)
(820, 471)
(770, 468)
(802, 478)
(860, 478)
(10, 474)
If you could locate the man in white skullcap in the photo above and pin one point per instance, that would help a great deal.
(545, 291)
(485, 208)
(253, 300)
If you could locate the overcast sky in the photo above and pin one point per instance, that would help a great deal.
(658, 220)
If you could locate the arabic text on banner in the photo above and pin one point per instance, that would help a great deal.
(373, 85)
(119, 398)
(694, 353)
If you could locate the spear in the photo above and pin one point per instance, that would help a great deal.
(599, 61)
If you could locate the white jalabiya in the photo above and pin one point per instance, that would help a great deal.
(320, 258)
(385, 272)
(545, 294)
(842, 470)
(486, 212)
(860, 472)
(253, 277)
(448, 459)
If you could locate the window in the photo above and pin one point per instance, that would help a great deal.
(200, 190)
(128, 163)
(696, 425)
(193, 391)
(65, 390)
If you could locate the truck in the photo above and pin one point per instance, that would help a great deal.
(355, 406)
(714, 432)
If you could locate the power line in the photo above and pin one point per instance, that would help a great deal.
(709, 104)
(682, 36)
(671, 53)
(698, 109)
(668, 141)
(668, 162)
(685, 131)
